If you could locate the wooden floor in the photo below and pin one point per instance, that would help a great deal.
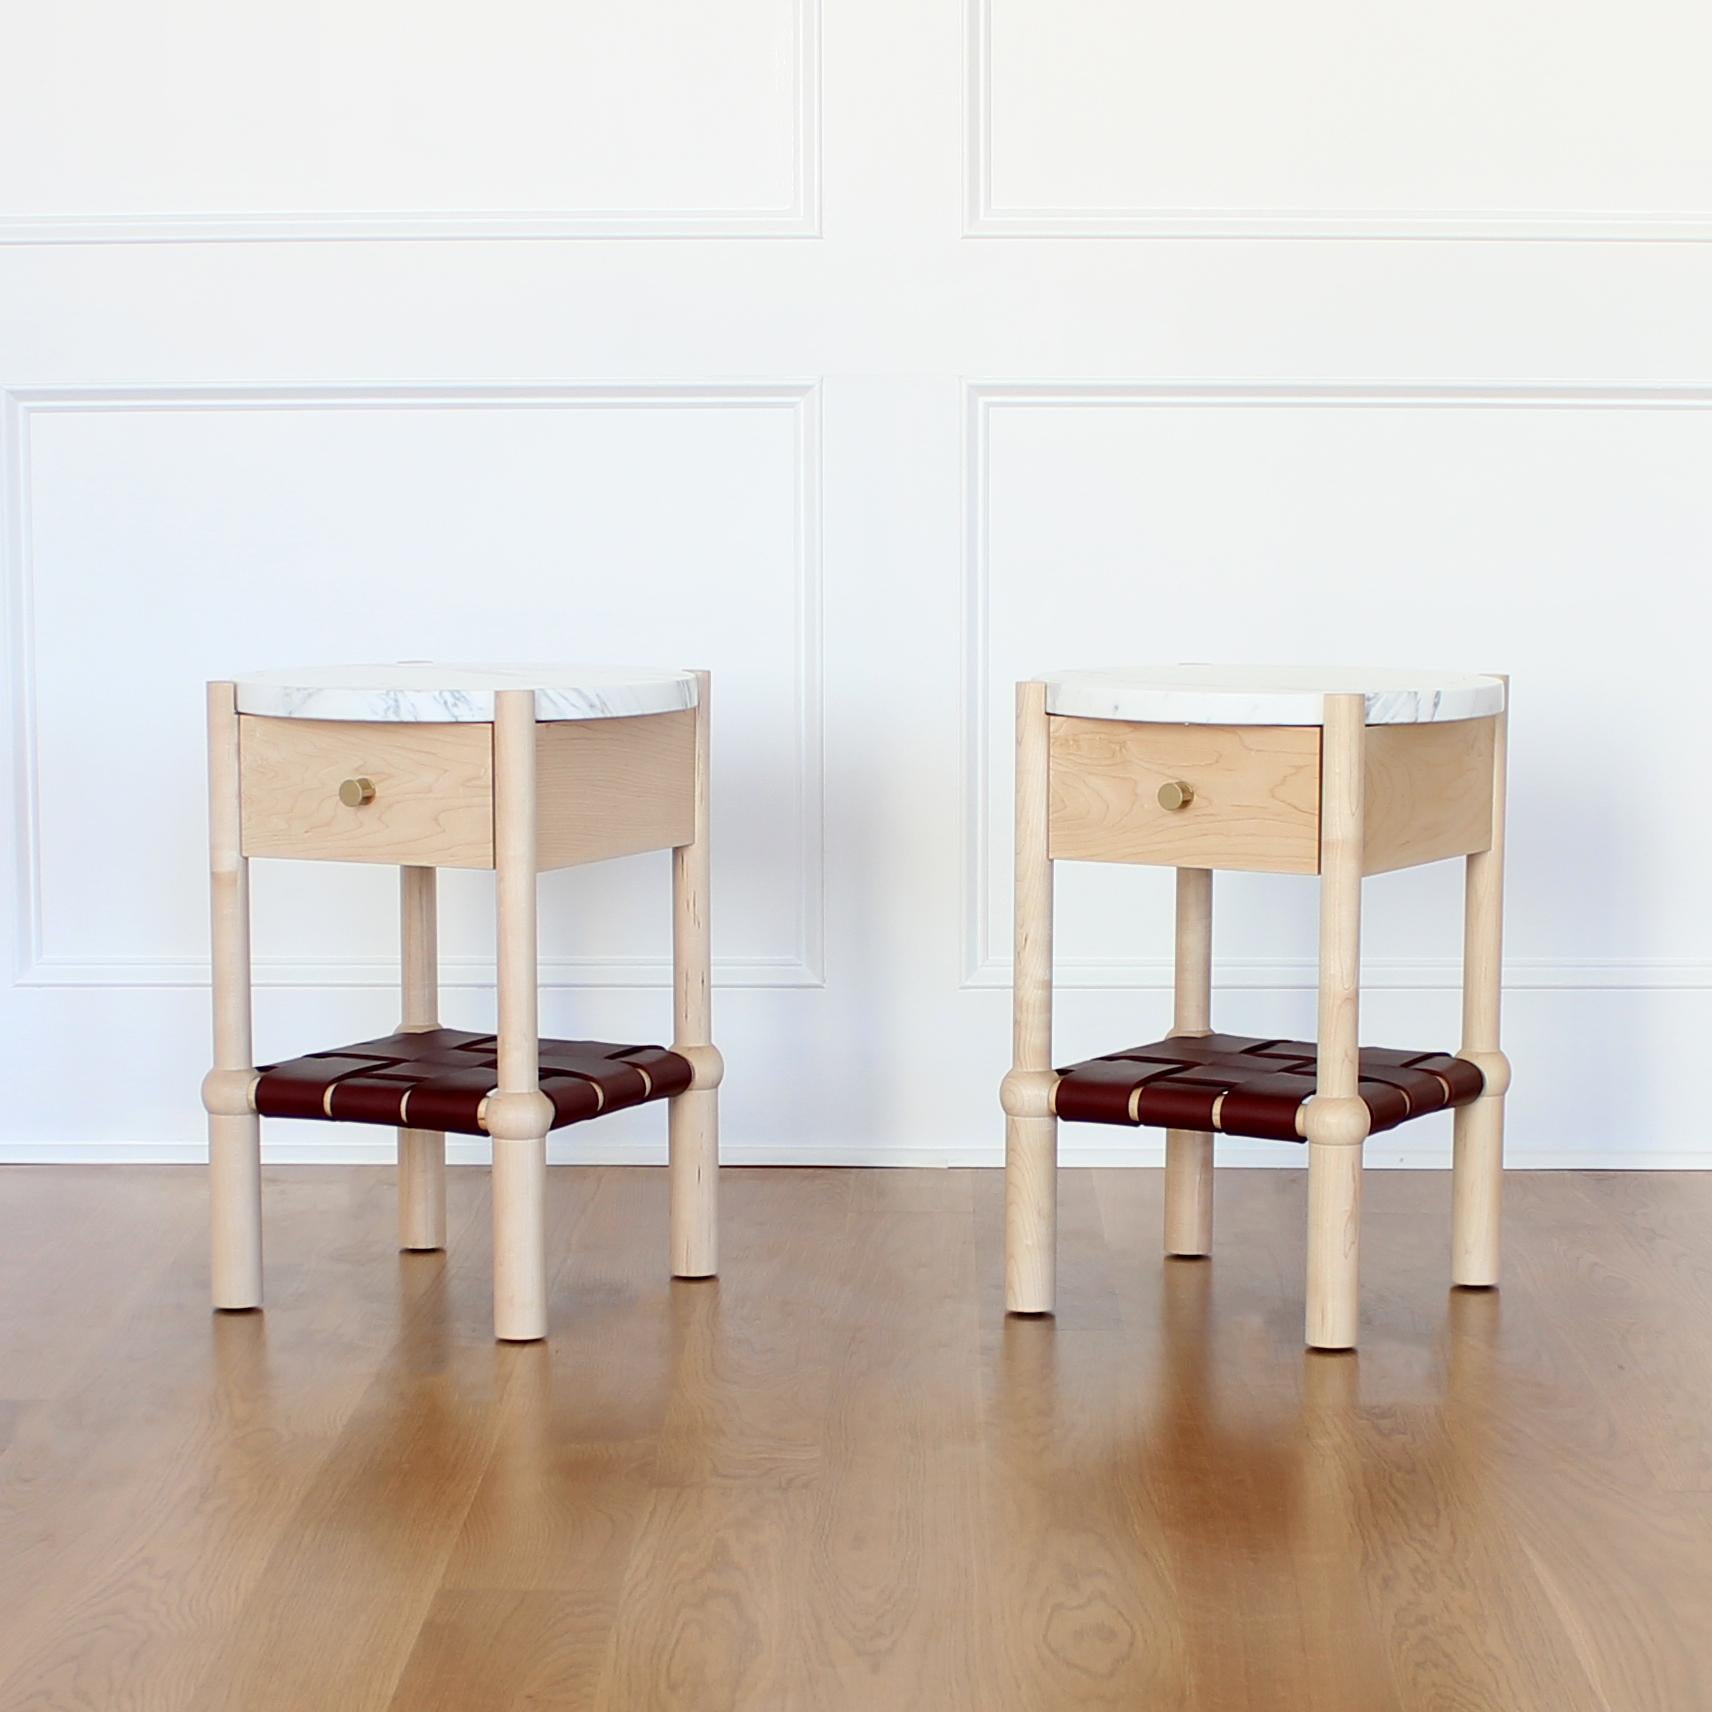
(839, 1477)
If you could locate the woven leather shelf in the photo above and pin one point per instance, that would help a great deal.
(1236, 1084)
(438, 1078)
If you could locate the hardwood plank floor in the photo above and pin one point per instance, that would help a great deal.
(839, 1477)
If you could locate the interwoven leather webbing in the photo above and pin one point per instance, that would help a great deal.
(1238, 1084)
(437, 1079)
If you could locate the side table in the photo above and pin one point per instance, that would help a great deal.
(1333, 773)
(512, 768)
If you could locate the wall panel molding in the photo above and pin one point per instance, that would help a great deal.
(797, 218)
(984, 217)
(984, 966)
(36, 966)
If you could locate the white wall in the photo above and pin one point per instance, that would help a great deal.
(872, 356)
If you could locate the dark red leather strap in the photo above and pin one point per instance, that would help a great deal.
(438, 1078)
(1244, 1085)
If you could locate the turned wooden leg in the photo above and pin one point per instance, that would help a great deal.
(421, 1152)
(1031, 1130)
(1477, 1176)
(1188, 1152)
(1188, 1193)
(693, 1120)
(1477, 1181)
(235, 1197)
(1334, 1243)
(518, 1115)
(520, 1238)
(234, 1131)
(1336, 1119)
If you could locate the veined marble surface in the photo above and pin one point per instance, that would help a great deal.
(424, 690)
(1268, 695)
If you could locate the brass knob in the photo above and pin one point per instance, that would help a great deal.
(356, 793)
(1177, 794)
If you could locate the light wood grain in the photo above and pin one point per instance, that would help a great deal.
(421, 1189)
(853, 1483)
(433, 802)
(1031, 1138)
(234, 1139)
(882, 1628)
(1478, 1143)
(1189, 1153)
(1068, 1548)
(377, 1521)
(1339, 1041)
(613, 787)
(693, 1122)
(1428, 793)
(1335, 1120)
(1252, 1514)
(1256, 795)
(519, 1141)
(421, 1152)
(146, 1541)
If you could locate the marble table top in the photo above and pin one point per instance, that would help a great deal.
(429, 691)
(1268, 695)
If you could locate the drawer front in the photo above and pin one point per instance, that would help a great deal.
(433, 791)
(1255, 801)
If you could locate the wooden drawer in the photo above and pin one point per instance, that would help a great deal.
(433, 791)
(1256, 802)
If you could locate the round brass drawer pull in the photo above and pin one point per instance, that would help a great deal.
(356, 793)
(1176, 794)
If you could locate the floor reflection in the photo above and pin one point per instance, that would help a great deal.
(1259, 1475)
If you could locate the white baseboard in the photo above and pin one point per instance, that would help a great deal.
(568, 1149)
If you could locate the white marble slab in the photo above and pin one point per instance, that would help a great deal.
(427, 691)
(1268, 695)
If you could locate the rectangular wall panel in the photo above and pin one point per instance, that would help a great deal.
(1469, 528)
(1532, 119)
(536, 118)
(167, 537)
